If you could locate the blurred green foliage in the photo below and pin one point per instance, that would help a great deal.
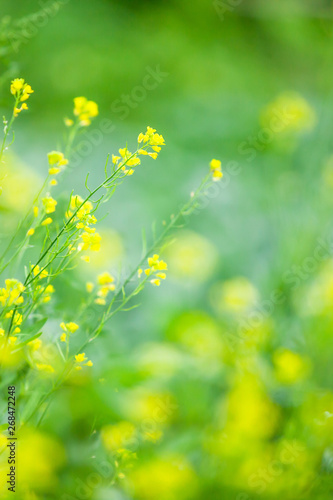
(219, 385)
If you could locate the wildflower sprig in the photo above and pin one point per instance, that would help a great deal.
(58, 163)
(21, 92)
(24, 302)
(78, 224)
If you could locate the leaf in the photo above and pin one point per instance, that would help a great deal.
(30, 339)
(35, 327)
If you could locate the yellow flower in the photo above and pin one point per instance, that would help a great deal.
(85, 110)
(57, 158)
(100, 301)
(215, 164)
(44, 367)
(289, 112)
(63, 337)
(68, 122)
(155, 265)
(18, 110)
(35, 344)
(90, 241)
(12, 295)
(70, 327)
(31, 231)
(155, 282)
(215, 167)
(54, 170)
(35, 210)
(290, 367)
(89, 286)
(41, 274)
(105, 279)
(47, 221)
(16, 85)
(49, 204)
(21, 90)
(47, 292)
(81, 358)
(27, 90)
(150, 140)
(152, 261)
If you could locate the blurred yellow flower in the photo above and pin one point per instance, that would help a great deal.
(292, 111)
(20, 89)
(191, 257)
(38, 467)
(215, 167)
(250, 412)
(237, 295)
(118, 436)
(47, 221)
(49, 204)
(85, 110)
(199, 333)
(289, 366)
(169, 478)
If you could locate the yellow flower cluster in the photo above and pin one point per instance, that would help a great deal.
(46, 292)
(49, 204)
(18, 318)
(85, 110)
(154, 270)
(106, 285)
(21, 91)
(12, 294)
(82, 360)
(215, 167)
(151, 140)
(91, 240)
(68, 329)
(56, 161)
(151, 146)
(41, 274)
(83, 214)
(131, 160)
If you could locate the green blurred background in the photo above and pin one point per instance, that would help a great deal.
(209, 412)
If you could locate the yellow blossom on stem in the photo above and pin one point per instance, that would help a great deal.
(80, 361)
(155, 265)
(42, 274)
(20, 89)
(49, 204)
(70, 327)
(85, 110)
(90, 242)
(12, 294)
(68, 122)
(215, 167)
(47, 221)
